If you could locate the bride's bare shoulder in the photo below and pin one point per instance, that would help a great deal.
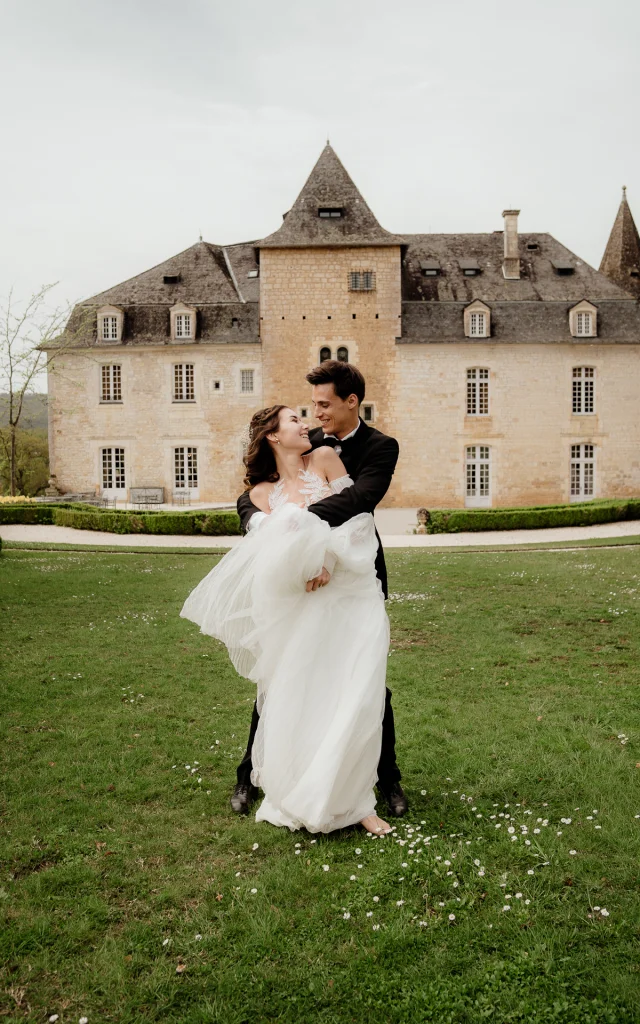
(259, 495)
(326, 463)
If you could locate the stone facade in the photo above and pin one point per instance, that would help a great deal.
(148, 424)
(554, 371)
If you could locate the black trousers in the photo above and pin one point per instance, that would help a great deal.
(388, 771)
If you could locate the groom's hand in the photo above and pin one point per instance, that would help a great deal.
(319, 581)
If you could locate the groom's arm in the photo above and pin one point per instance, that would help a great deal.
(246, 509)
(368, 491)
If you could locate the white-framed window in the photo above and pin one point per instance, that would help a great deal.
(246, 382)
(477, 476)
(183, 323)
(583, 389)
(111, 383)
(184, 326)
(583, 320)
(185, 462)
(477, 320)
(184, 388)
(477, 391)
(109, 326)
(368, 412)
(325, 353)
(343, 354)
(582, 472)
(477, 325)
(113, 471)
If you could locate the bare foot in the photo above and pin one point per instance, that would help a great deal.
(374, 824)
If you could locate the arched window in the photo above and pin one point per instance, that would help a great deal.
(583, 320)
(325, 353)
(110, 321)
(477, 476)
(477, 320)
(343, 354)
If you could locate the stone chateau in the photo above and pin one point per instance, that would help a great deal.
(506, 366)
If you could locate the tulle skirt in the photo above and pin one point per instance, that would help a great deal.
(318, 660)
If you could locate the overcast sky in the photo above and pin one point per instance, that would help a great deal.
(132, 126)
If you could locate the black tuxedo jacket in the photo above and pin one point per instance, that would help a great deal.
(370, 458)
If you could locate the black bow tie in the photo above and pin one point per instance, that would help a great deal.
(332, 442)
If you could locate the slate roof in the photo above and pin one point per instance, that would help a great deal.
(215, 279)
(329, 185)
(211, 278)
(621, 260)
(204, 277)
(524, 322)
(539, 281)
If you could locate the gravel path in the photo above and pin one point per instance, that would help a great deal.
(65, 535)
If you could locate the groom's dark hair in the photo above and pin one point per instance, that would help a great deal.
(345, 377)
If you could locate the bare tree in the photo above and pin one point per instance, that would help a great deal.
(28, 331)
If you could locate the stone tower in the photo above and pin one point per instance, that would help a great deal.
(621, 260)
(330, 286)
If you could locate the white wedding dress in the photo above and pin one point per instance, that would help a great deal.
(319, 659)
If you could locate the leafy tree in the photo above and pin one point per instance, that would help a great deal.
(27, 331)
(31, 461)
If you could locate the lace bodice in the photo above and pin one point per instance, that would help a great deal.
(312, 488)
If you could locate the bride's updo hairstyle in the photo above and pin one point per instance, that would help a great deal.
(260, 461)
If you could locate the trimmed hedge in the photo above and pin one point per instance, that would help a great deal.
(32, 512)
(86, 517)
(535, 518)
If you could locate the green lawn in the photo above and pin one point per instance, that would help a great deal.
(129, 892)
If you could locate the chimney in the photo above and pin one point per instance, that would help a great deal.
(511, 261)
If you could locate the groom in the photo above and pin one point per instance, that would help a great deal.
(370, 458)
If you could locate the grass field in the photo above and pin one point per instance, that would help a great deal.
(129, 891)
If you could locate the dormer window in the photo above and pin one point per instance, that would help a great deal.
(109, 328)
(362, 281)
(562, 267)
(330, 212)
(477, 320)
(171, 278)
(110, 321)
(430, 268)
(583, 320)
(183, 323)
(470, 268)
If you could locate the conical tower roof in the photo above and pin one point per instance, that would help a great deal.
(621, 260)
(329, 187)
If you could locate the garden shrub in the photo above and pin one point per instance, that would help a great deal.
(169, 522)
(217, 524)
(31, 513)
(535, 518)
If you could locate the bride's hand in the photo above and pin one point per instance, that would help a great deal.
(319, 581)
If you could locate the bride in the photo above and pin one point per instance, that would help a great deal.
(318, 657)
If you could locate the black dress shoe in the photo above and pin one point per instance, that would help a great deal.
(242, 797)
(396, 799)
